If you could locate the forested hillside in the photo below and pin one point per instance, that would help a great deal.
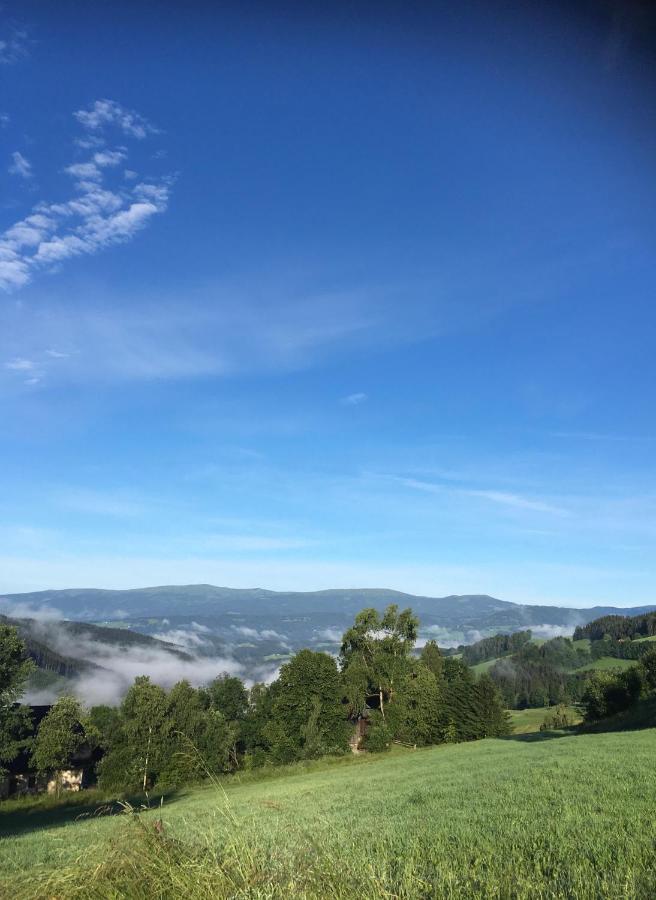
(618, 627)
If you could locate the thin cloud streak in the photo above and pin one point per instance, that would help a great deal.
(354, 399)
(13, 46)
(20, 166)
(502, 498)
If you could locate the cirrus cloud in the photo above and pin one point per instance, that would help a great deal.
(96, 216)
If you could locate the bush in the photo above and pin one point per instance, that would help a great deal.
(608, 693)
(557, 719)
(378, 737)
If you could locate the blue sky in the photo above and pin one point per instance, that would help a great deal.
(298, 300)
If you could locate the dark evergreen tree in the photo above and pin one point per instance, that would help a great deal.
(413, 718)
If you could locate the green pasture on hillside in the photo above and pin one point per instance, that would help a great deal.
(606, 663)
(481, 667)
(527, 721)
(534, 816)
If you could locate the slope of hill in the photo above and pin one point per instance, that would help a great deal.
(96, 663)
(576, 822)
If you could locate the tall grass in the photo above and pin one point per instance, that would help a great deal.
(567, 817)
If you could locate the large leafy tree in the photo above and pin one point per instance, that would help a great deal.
(649, 669)
(15, 668)
(61, 734)
(254, 729)
(307, 716)
(200, 739)
(228, 696)
(375, 654)
(146, 729)
(431, 657)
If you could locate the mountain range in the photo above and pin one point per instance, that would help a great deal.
(95, 642)
(467, 611)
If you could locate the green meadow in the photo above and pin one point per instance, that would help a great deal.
(527, 721)
(558, 814)
(606, 664)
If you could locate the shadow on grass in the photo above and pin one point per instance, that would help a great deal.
(535, 737)
(636, 718)
(640, 716)
(31, 814)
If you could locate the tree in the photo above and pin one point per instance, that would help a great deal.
(254, 728)
(380, 647)
(648, 663)
(494, 717)
(607, 693)
(146, 729)
(431, 657)
(414, 716)
(559, 718)
(464, 715)
(228, 695)
(199, 740)
(61, 733)
(378, 736)
(15, 668)
(308, 716)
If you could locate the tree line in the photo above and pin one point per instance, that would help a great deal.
(618, 627)
(495, 646)
(554, 672)
(608, 693)
(311, 709)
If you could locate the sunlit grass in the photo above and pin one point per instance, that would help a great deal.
(527, 721)
(565, 816)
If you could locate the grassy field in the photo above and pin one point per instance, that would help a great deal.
(606, 663)
(528, 721)
(562, 815)
(481, 667)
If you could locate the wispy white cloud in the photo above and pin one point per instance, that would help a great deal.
(20, 165)
(13, 45)
(22, 610)
(261, 634)
(551, 631)
(104, 113)
(354, 399)
(217, 331)
(502, 498)
(4, 120)
(192, 637)
(330, 635)
(20, 365)
(517, 501)
(94, 218)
